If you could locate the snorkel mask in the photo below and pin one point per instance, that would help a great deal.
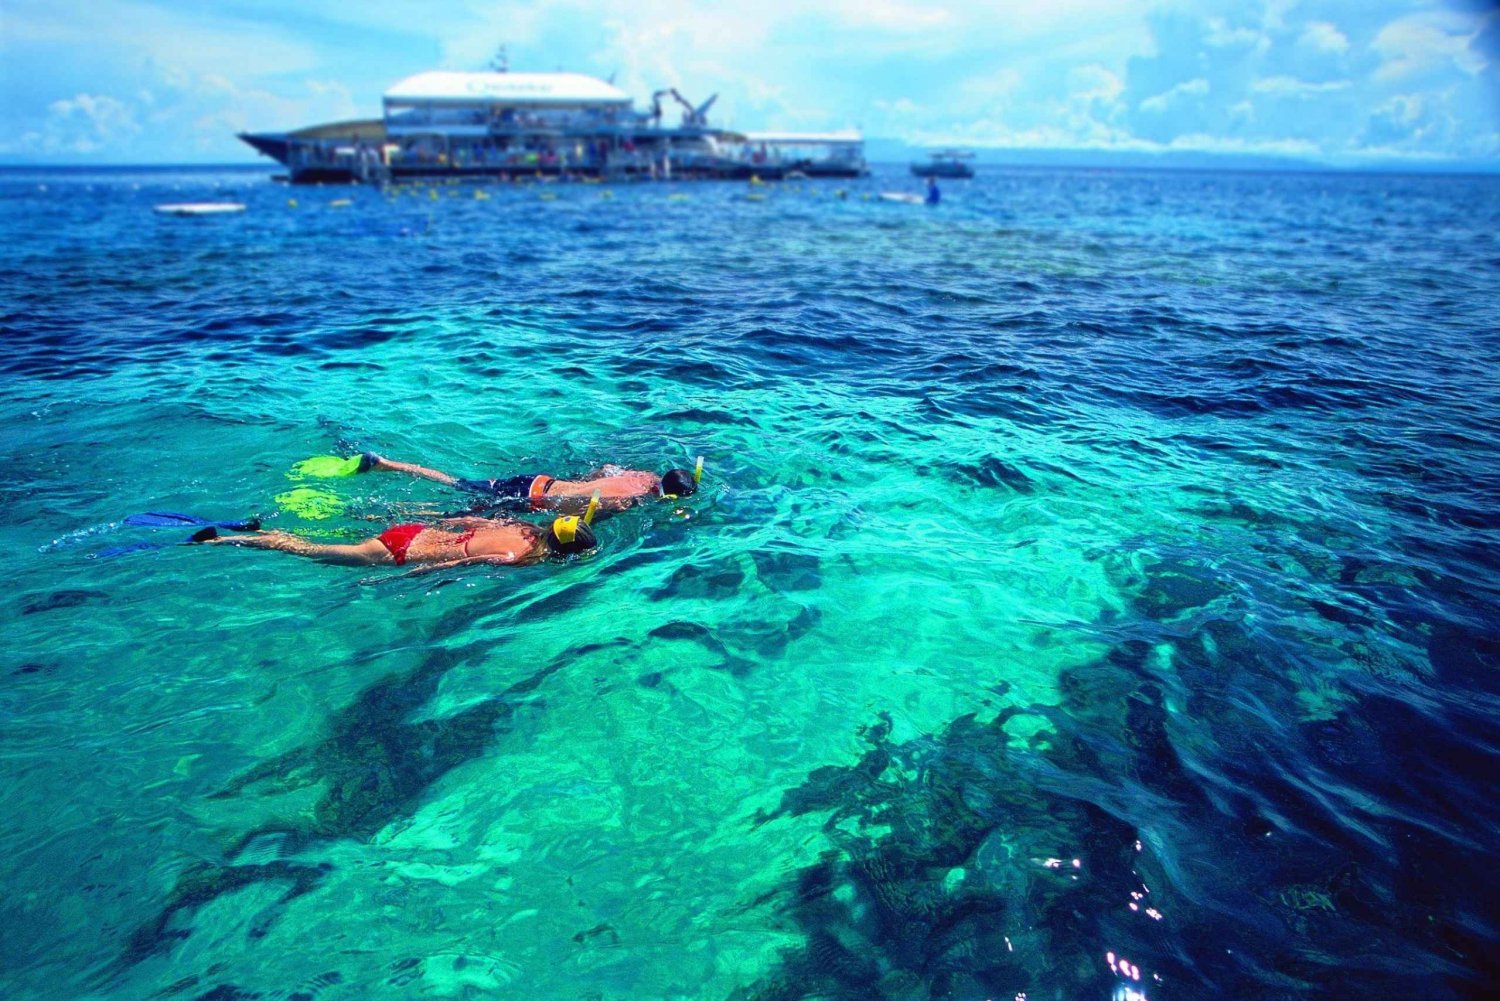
(680, 483)
(572, 534)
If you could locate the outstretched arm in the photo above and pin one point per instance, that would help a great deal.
(464, 522)
(365, 553)
(450, 564)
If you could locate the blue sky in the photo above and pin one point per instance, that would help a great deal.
(1377, 81)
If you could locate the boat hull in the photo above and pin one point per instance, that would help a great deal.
(345, 153)
(957, 170)
(280, 147)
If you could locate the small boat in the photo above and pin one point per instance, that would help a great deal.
(945, 163)
(199, 208)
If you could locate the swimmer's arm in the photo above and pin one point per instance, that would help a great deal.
(476, 522)
(577, 503)
(510, 560)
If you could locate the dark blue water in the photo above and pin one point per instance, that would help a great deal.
(1093, 592)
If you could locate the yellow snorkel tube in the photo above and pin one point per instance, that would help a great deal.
(698, 471)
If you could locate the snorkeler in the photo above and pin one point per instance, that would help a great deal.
(450, 543)
(616, 487)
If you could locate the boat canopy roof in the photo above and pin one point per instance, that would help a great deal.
(518, 89)
(369, 129)
(804, 138)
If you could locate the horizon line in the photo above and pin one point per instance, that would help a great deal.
(1261, 163)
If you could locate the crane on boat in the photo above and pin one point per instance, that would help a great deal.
(692, 117)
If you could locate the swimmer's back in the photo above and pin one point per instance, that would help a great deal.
(614, 484)
(514, 540)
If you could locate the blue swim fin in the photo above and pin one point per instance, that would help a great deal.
(135, 547)
(172, 519)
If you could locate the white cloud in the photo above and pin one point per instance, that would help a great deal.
(901, 106)
(1051, 136)
(1274, 18)
(1190, 88)
(891, 15)
(990, 87)
(1426, 41)
(1204, 143)
(200, 114)
(1324, 36)
(1393, 152)
(1403, 108)
(1427, 125)
(1220, 35)
(469, 37)
(990, 132)
(1287, 86)
(1095, 84)
(186, 41)
(165, 78)
(86, 123)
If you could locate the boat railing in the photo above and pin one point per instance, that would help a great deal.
(441, 151)
(504, 121)
(792, 155)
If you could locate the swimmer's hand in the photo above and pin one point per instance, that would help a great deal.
(274, 539)
(210, 535)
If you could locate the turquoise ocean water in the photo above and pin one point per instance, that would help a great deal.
(1092, 591)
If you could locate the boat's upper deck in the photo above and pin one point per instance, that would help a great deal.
(457, 103)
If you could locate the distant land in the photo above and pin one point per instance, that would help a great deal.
(888, 151)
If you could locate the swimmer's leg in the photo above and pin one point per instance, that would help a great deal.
(377, 464)
(366, 553)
